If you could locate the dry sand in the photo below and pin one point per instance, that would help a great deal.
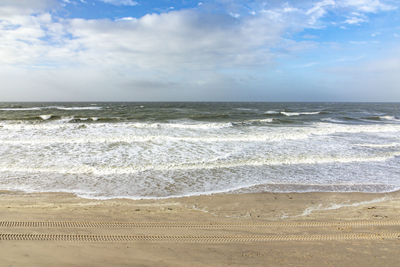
(266, 229)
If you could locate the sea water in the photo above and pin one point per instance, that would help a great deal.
(155, 150)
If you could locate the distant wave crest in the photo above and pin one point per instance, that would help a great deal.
(299, 113)
(51, 107)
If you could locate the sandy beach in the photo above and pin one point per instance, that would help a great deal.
(263, 229)
(199, 133)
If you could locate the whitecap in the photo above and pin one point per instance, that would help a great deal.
(246, 109)
(45, 117)
(183, 125)
(105, 170)
(389, 118)
(20, 109)
(269, 120)
(67, 119)
(379, 145)
(299, 113)
(72, 108)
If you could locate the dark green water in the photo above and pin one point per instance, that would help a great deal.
(212, 112)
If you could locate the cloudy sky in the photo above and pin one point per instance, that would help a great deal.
(222, 50)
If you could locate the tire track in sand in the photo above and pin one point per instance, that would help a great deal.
(196, 239)
(210, 225)
(192, 237)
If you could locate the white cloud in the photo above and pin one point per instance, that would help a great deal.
(368, 6)
(121, 2)
(24, 7)
(179, 47)
(180, 50)
(179, 39)
(356, 20)
(373, 79)
(319, 10)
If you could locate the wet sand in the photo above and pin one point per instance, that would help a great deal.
(265, 229)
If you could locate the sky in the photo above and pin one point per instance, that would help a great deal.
(185, 50)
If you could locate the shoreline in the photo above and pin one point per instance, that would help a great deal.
(240, 191)
(254, 206)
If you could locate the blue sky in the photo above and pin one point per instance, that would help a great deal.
(224, 50)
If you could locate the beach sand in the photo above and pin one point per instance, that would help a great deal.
(263, 229)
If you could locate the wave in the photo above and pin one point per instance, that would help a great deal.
(285, 121)
(332, 120)
(271, 112)
(103, 170)
(99, 196)
(74, 108)
(182, 125)
(379, 145)
(373, 118)
(247, 109)
(51, 107)
(253, 122)
(67, 119)
(45, 117)
(385, 117)
(261, 120)
(20, 109)
(240, 188)
(299, 113)
(126, 133)
(389, 118)
(130, 139)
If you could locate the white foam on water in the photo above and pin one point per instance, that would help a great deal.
(269, 120)
(185, 157)
(335, 206)
(379, 145)
(271, 112)
(103, 170)
(73, 108)
(214, 125)
(299, 113)
(247, 109)
(389, 118)
(20, 109)
(332, 120)
(51, 107)
(66, 119)
(45, 117)
(146, 132)
(95, 195)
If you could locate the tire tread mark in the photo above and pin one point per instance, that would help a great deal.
(195, 239)
(211, 225)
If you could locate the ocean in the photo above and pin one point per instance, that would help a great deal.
(159, 150)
